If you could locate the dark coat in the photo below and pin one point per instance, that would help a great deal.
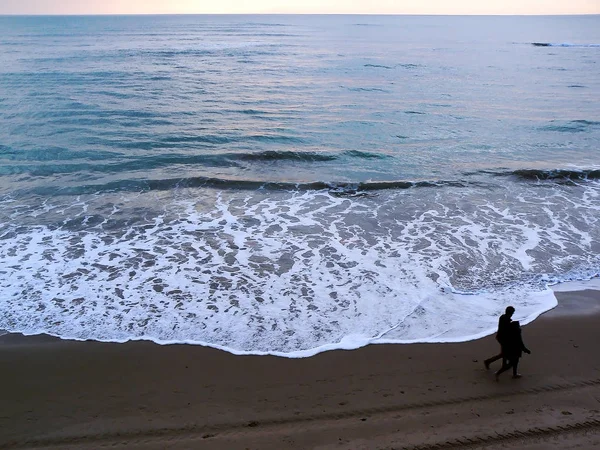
(513, 346)
(503, 328)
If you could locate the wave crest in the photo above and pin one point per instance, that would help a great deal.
(562, 44)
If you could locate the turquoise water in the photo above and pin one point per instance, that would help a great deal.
(289, 184)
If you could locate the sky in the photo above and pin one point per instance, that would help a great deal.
(300, 6)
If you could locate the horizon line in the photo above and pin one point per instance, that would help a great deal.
(295, 14)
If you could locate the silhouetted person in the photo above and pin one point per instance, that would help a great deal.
(503, 324)
(513, 350)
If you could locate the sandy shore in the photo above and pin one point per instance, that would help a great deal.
(64, 394)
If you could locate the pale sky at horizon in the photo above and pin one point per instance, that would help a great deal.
(299, 6)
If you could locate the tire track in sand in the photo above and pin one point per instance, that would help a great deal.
(513, 438)
(208, 431)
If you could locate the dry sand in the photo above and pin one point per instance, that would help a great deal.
(65, 394)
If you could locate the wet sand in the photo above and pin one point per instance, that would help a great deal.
(67, 394)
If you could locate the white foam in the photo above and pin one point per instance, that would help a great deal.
(294, 274)
(577, 285)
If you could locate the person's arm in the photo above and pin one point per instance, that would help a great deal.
(503, 324)
(525, 349)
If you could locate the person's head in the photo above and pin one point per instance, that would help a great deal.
(510, 311)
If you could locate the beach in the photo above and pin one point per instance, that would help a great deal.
(139, 395)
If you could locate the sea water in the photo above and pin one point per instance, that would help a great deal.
(292, 184)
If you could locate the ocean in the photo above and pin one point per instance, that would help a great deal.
(293, 184)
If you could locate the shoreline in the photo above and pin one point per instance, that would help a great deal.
(573, 299)
(573, 303)
(139, 395)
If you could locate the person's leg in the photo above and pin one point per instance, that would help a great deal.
(515, 365)
(506, 364)
(488, 361)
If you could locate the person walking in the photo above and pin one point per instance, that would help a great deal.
(513, 350)
(503, 324)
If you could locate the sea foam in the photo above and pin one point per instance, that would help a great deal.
(293, 273)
